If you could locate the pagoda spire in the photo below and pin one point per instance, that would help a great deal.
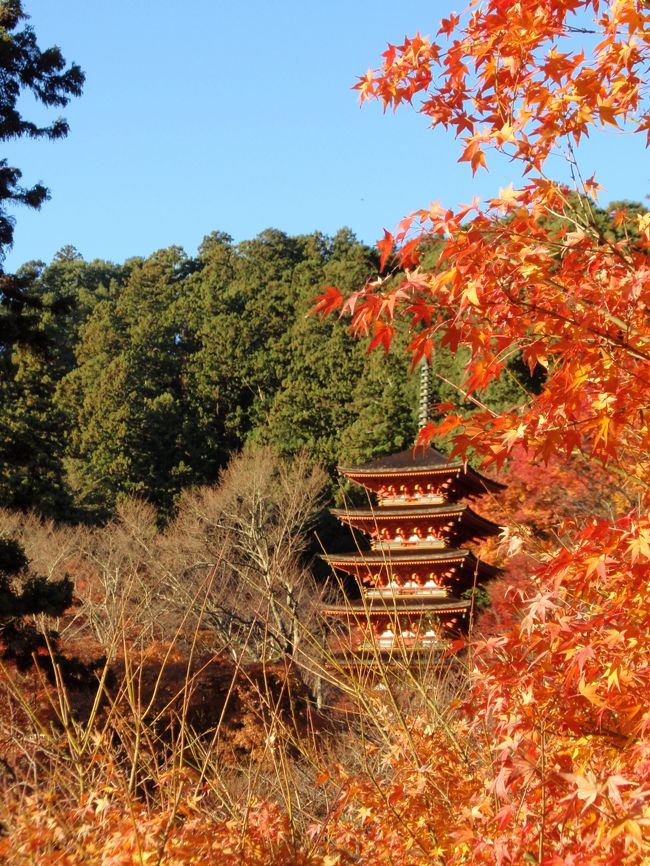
(426, 394)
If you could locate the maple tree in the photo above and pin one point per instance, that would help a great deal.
(559, 699)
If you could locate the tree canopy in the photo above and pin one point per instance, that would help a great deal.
(43, 73)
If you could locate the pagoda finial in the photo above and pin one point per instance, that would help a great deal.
(426, 393)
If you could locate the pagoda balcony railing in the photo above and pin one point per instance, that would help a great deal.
(406, 543)
(388, 499)
(388, 592)
(400, 643)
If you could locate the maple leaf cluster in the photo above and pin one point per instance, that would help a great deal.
(116, 833)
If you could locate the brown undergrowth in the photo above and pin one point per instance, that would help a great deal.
(179, 758)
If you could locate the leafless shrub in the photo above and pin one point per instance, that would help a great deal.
(115, 566)
(230, 571)
(241, 545)
(49, 546)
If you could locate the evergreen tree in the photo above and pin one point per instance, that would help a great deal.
(33, 425)
(126, 397)
(384, 401)
(42, 73)
(32, 434)
(25, 69)
(337, 402)
(249, 302)
(27, 427)
(144, 378)
(314, 404)
(22, 597)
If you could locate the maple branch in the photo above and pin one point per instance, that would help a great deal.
(540, 852)
(467, 395)
(570, 29)
(592, 224)
(614, 319)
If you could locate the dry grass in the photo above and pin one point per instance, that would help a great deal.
(202, 740)
(180, 751)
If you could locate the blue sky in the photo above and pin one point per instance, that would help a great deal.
(210, 115)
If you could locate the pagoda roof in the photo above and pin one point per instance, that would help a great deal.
(411, 459)
(420, 461)
(383, 514)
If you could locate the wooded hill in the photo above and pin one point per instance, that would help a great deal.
(147, 376)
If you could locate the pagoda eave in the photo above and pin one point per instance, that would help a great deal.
(357, 609)
(386, 562)
(408, 555)
(460, 518)
(369, 658)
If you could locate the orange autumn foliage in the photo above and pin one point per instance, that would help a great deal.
(558, 709)
(542, 504)
(106, 830)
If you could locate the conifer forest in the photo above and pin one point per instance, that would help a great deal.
(317, 553)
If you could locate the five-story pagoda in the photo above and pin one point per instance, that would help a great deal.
(417, 580)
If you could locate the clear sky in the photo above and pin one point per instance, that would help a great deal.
(235, 116)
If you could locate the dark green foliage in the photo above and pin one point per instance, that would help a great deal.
(480, 597)
(384, 400)
(43, 73)
(39, 351)
(329, 399)
(31, 436)
(131, 428)
(187, 360)
(30, 427)
(246, 297)
(143, 379)
(23, 596)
